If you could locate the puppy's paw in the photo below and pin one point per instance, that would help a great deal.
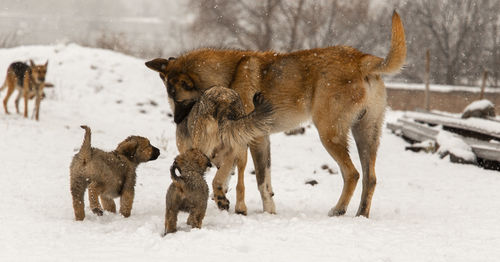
(97, 211)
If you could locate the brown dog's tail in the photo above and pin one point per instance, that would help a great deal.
(257, 123)
(85, 151)
(397, 54)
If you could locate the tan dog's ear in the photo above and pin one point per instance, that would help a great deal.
(32, 63)
(127, 148)
(159, 64)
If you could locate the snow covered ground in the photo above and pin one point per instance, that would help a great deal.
(424, 208)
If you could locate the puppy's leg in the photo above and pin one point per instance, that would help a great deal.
(78, 186)
(240, 207)
(94, 191)
(195, 219)
(219, 184)
(171, 219)
(334, 139)
(367, 134)
(126, 200)
(260, 149)
(108, 204)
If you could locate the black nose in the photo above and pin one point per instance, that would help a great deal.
(42, 79)
(155, 154)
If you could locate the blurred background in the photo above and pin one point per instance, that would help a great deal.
(462, 35)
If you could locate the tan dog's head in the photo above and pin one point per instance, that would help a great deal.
(180, 86)
(38, 71)
(138, 149)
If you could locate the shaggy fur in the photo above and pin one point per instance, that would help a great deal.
(108, 174)
(189, 191)
(339, 88)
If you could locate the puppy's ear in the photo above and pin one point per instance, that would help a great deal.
(32, 63)
(158, 65)
(127, 148)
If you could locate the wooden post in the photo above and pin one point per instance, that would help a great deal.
(427, 72)
(483, 84)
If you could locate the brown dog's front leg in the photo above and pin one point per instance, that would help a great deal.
(126, 201)
(261, 154)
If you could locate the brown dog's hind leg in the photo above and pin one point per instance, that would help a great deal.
(77, 189)
(366, 133)
(171, 220)
(241, 207)
(260, 149)
(108, 204)
(94, 192)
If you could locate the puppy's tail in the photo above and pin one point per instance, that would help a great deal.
(397, 54)
(85, 151)
(257, 123)
(177, 180)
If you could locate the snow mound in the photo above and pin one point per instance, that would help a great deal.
(481, 108)
(450, 143)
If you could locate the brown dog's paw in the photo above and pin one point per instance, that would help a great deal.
(222, 202)
(97, 211)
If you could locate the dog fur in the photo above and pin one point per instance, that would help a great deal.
(29, 80)
(339, 88)
(218, 125)
(108, 174)
(189, 191)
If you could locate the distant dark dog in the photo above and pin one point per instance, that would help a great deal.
(29, 80)
(108, 174)
(218, 125)
(189, 191)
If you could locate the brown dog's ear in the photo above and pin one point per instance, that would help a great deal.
(127, 148)
(32, 63)
(158, 65)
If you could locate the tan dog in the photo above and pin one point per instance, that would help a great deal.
(218, 125)
(108, 174)
(29, 80)
(339, 88)
(189, 191)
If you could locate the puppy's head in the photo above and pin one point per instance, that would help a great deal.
(193, 160)
(39, 71)
(180, 85)
(138, 149)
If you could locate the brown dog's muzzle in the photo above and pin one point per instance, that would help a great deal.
(155, 154)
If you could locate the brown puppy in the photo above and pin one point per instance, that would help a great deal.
(29, 80)
(338, 87)
(108, 174)
(189, 191)
(218, 125)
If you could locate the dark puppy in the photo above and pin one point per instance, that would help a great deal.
(108, 174)
(189, 191)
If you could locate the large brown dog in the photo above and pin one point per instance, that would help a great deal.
(108, 174)
(218, 126)
(29, 80)
(339, 88)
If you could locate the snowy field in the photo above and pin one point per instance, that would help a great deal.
(424, 208)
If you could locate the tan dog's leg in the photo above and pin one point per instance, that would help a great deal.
(126, 201)
(261, 154)
(10, 89)
(77, 192)
(367, 134)
(219, 184)
(241, 207)
(94, 192)
(108, 204)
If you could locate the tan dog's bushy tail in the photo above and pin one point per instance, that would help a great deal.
(397, 53)
(256, 124)
(85, 151)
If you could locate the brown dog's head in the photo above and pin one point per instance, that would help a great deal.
(191, 160)
(180, 86)
(138, 149)
(38, 71)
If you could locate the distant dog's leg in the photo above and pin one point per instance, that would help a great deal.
(367, 134)
(108, 204)
(126, 200)
(240, 207)
(19, 95)
(10, 90)
(261, 154)
(25, 94)
(38, 99)
(219, 184)
(94, 192)
(77, 188)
